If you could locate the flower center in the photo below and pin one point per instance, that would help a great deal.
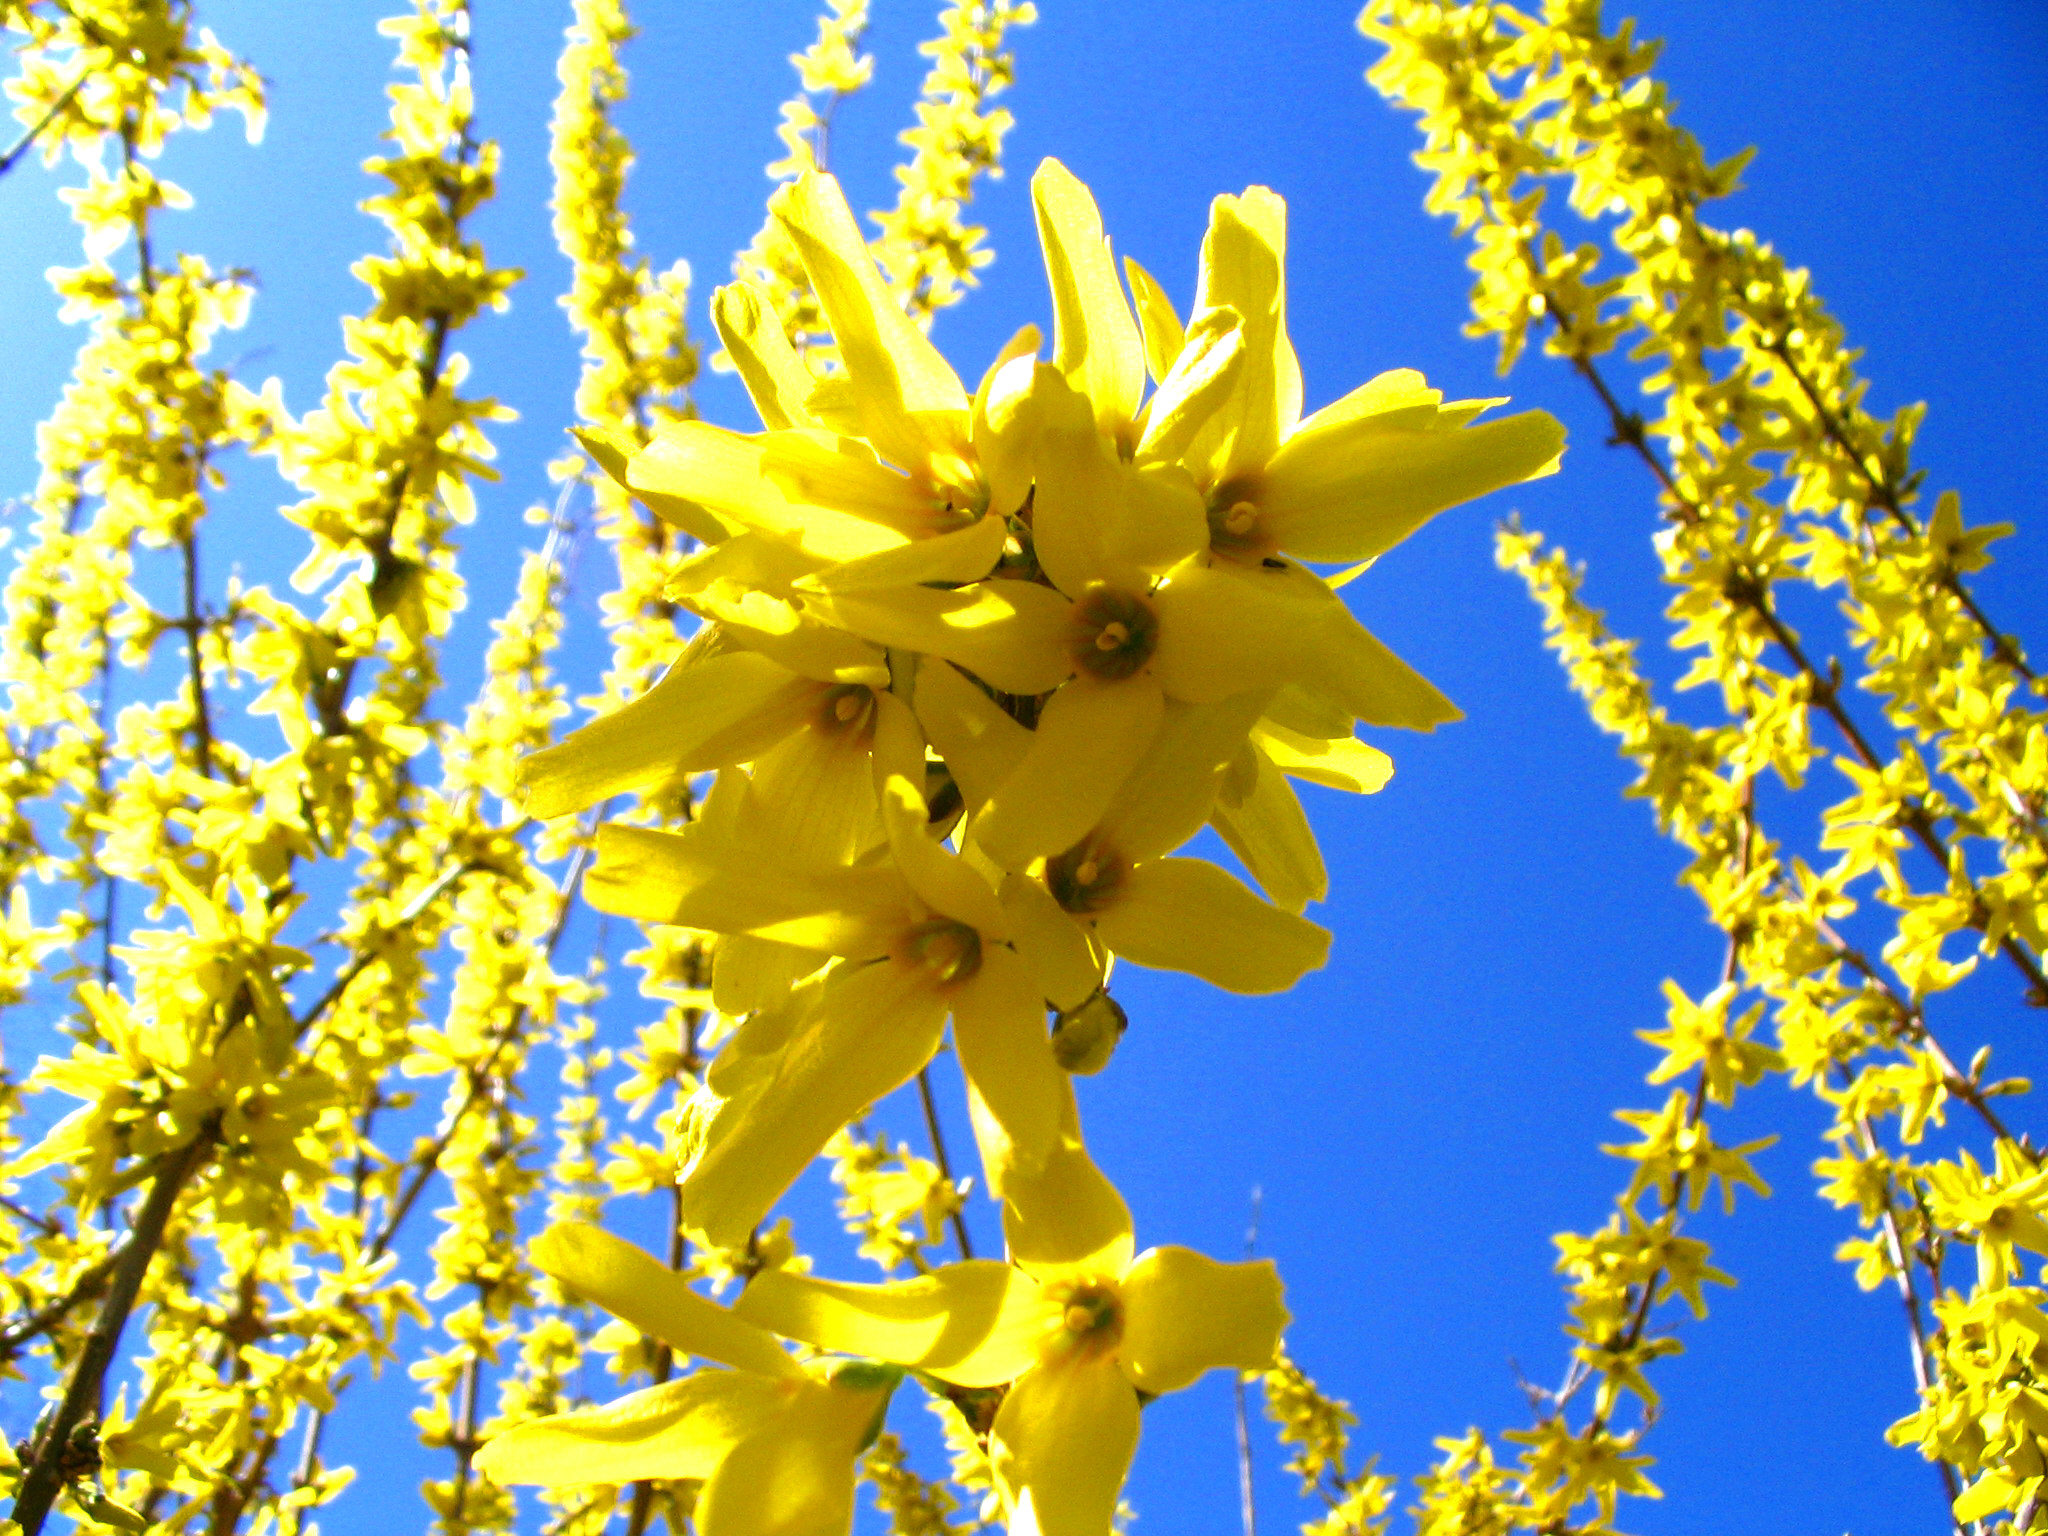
(1235, 521)
(946, 950)
(1112, 633)
(845, 708)
(1091, 1319)
(1087, 877)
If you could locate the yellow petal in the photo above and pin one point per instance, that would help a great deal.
(975, 1324)
(871, 1029)
(1398, 390)
(1354, 490)
(943, 881)
(1156, 320)
(1184, 1314)
(1342, 762)
(614, 451)
(1244, 259)
(775, 376)
(690, 880)
(981, 745)
(749, 973)
(1187, 915)
(815, 469)
(1050, 943)
(1011, 634)
(1169, 794)
(1096, 518)
(1064, 1217)
(794, 1476)
(956, 558)
(1062, 1444)
(761, 621)
(813, 796)
(1006, 423)
(908, 395)
(1090, 735)
(1224, 627)
(1202, 378)
(695, 463)
(677, 1429)
(1095, 340)
(1265, 827)
(999, 1031)
(724, 709)
(639, 1289)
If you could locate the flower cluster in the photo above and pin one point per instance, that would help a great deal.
(972, 668)
(1780, 494)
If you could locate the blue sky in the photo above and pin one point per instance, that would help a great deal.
(1422, 1115)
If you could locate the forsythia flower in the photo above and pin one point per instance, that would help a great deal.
(774, 1443)
(1077, 1327)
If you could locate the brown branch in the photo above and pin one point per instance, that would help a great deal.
(931, 1124)
(201, 726)
(366, 956)
(1754, 598)
(26, 142)
(83, 1289)
(1884, 495)
(43, 1475)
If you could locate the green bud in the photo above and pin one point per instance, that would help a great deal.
(1084, 1038)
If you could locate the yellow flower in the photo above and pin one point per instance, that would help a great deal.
(1075, 1326)
(1358, 476)
(773, 1442)
(921, 937)
(1135, 613)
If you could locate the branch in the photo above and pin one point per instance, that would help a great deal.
(43, 1475)
(26, 142)
(931, 1123)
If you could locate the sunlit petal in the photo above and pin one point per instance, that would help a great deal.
(633, 1285)
(1065, 1217)
(724, 709)
(1184, 1314)
(1169, 794)
(1090, 736)
(870, 1030)
(795, 1475)
(1095, 340)
(677, 1429)
(775, 376)
(1011, 634)
(999, 1030)
(975, 1324)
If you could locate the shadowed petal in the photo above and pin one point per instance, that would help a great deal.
(1089, 738)
(1062, 1444)
(1187, 915)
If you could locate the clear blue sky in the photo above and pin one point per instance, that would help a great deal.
(1426, 1112)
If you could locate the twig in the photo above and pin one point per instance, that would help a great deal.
(52, 1313)
(43, 1475)
(1246, 1508)
(26, 142)
(931, 1124)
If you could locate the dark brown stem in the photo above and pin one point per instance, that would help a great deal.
(1821, 689)
(42, 1476)
(48, 1316)
(202, 721)
(1884, 495)
(931, 1124)
(26, 142)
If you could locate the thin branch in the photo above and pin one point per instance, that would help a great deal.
(1884, 494)
(366, 956)
(1247, 1509)
(1821, 689)
(41, 1321)
(43, 1475)
(931, 1124)
(26, 142)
